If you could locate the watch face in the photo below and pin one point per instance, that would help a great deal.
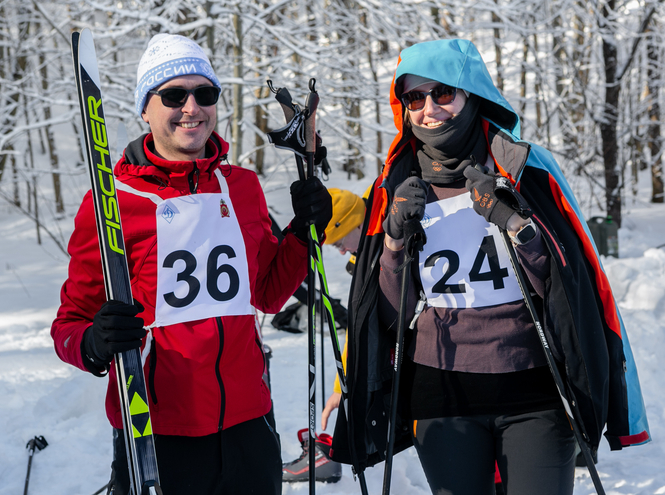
(526, 234)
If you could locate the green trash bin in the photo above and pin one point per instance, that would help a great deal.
(605, 234)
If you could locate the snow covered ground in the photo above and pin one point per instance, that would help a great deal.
(40, 395)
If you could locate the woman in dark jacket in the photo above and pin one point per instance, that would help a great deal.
(475, 385)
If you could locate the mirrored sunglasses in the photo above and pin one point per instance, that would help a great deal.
(177, 97)
(441, 94)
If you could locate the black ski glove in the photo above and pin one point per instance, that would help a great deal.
(494, 196)
(408, 204)
(115, 328)
(312, 204)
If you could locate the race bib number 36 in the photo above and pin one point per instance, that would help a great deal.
(202, 263)
(464, 263)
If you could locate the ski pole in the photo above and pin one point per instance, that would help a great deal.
(323, 364)
(298, 128)
(593, 472)
(414, 239)
(38, 443)
(325, 299)
(102, 489)
(311, 104)
(288, 137)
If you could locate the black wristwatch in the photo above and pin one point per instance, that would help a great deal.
(525, 234)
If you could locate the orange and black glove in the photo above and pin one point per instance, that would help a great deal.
(408, 204)
(494, 196)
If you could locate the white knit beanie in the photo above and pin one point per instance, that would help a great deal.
(169, 56)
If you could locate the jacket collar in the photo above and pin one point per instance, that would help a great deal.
(139, 159)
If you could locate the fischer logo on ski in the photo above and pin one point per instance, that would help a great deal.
(106, 181)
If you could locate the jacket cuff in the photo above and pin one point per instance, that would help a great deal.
(619, 442)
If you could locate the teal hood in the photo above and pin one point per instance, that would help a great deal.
(457, 63)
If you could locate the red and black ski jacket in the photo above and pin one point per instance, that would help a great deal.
(203, 375)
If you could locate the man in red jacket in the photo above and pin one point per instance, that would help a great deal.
(202, 259)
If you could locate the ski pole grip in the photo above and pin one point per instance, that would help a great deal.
(283, 97)
(310, 124)
(38, 443)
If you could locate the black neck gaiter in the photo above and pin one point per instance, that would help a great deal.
(446, 150)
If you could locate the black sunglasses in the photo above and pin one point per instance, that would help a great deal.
(441, 94)
(177, 97)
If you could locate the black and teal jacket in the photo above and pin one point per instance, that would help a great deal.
(580, 317)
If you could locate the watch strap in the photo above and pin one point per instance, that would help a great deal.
(525, 234)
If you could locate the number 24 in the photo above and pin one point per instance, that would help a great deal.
(487, 249)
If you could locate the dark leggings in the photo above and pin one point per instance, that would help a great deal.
(243, 459)
(535, 453)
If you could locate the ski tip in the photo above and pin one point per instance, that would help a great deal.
(88, 56)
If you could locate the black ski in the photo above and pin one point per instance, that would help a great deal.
(144, 477)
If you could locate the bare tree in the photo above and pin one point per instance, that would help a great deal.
(608, 126)
(654, 132)
(569, 66)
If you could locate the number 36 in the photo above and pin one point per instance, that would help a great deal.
(213, 273)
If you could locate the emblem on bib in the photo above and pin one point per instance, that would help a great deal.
(426, 221)
(168, 214)
(224, 209)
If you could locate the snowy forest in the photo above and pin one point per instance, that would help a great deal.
(585, 77)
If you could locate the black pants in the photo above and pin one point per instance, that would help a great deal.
(243, 459)
(535, 453)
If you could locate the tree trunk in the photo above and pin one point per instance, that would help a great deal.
(377, 113)
(210, 41)
(236, 93)
(580, 62)
(261, 122)
(15, 178)
(50, 142)
(608, 126)
(377, 105)
(537, 89)
(497, 48)
(525, 58)
(655, 139)
(355, 163)
(29, 160)
(3, 60)
(563, 89)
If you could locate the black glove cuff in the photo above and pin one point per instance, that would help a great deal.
(90, 362)
(507, 194)
(300, 231)
(394, 233)
(500, 214)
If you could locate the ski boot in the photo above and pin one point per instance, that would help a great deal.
(327, 470)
